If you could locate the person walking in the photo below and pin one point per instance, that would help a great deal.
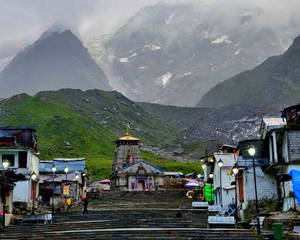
(85, 205)
(68, 201)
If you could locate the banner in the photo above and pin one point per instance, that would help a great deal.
(66, 190)
(295, 174)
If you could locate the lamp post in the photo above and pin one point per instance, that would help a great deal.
(66, 169)
(33, 178)
(235, 171)
(5, 165)
(211, 176)
(53, 175)
(76, 178)
(220, 165)
(251, 152)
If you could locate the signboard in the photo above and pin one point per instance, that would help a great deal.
(66, 190)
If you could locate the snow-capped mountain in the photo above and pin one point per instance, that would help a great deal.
(173, 54)
(56, 60)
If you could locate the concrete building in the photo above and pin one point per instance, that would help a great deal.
(282, 140)
(52, 183)
(129, 172)
(224, 190)
(266, 184)
(18, 146)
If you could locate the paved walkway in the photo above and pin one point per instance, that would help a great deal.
(130, 216)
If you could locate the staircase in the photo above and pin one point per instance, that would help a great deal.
(126, 217)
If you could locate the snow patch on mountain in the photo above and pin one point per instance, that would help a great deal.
(237, 52)
(127, 59)
(222, 39)
(152, 47)
(170, 19)
(185, 74)
(164, 79)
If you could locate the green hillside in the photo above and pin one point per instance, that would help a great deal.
(114, 111)
(74, 130)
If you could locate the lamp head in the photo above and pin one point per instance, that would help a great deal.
(211, 175)
(5, 164)
(33, 176)
(53, 168)
(251, 151)
(204, 166)
(220, 163)
(66, 169)
(77, 177)
(235, 170)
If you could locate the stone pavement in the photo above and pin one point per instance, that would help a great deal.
(128, 218)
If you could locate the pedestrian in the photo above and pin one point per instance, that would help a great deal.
(68, 201)
(85, 205)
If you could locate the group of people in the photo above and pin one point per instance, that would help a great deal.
(85, 204)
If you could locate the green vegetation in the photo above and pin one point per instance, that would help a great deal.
(65, 130)
(170, 165)
(58, 127)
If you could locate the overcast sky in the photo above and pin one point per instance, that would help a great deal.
(25, 20)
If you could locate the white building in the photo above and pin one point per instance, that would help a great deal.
(18, 147)
(224, 190)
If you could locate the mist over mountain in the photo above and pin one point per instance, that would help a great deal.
(174, 54)
(275, 81)
(56, 60)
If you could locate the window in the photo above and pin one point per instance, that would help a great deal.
(10, 158)
(22, 159)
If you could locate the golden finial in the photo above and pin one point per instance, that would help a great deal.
(127, 133)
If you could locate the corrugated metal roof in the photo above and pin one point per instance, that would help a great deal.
(274, 121)
(159, 169)
(75, 165)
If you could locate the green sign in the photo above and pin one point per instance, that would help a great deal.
(208, 193)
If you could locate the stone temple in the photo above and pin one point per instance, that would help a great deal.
(130, 172)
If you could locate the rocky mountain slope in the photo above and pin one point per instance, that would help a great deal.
(275, 81)
(224, 125)
(173, 54)
(56, 60)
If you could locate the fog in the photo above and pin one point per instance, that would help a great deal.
(21, 22)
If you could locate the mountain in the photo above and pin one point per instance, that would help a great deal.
(173, 54)
(75, 123)
(228, 124)
(275, 81)
(56, 60)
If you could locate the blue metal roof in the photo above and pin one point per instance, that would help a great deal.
(74, 166)
(159, 169)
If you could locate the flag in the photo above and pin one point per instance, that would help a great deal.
(236, 155)
(295, 174)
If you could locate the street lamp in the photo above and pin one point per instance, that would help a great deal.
(235, 171)
(66, 169)
(5, 165)
(220, 165)
(251, 151)
(76, 178)
(33, 178)
(53, 175)
(211, 176)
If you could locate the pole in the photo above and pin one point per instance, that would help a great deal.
(256, 200)
(211, 194)
(221, 187)
(76, 192)
(33, 193)
(235, 213)
(4, 200)
(53, 193)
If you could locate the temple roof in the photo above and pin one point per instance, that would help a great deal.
(128, 137)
